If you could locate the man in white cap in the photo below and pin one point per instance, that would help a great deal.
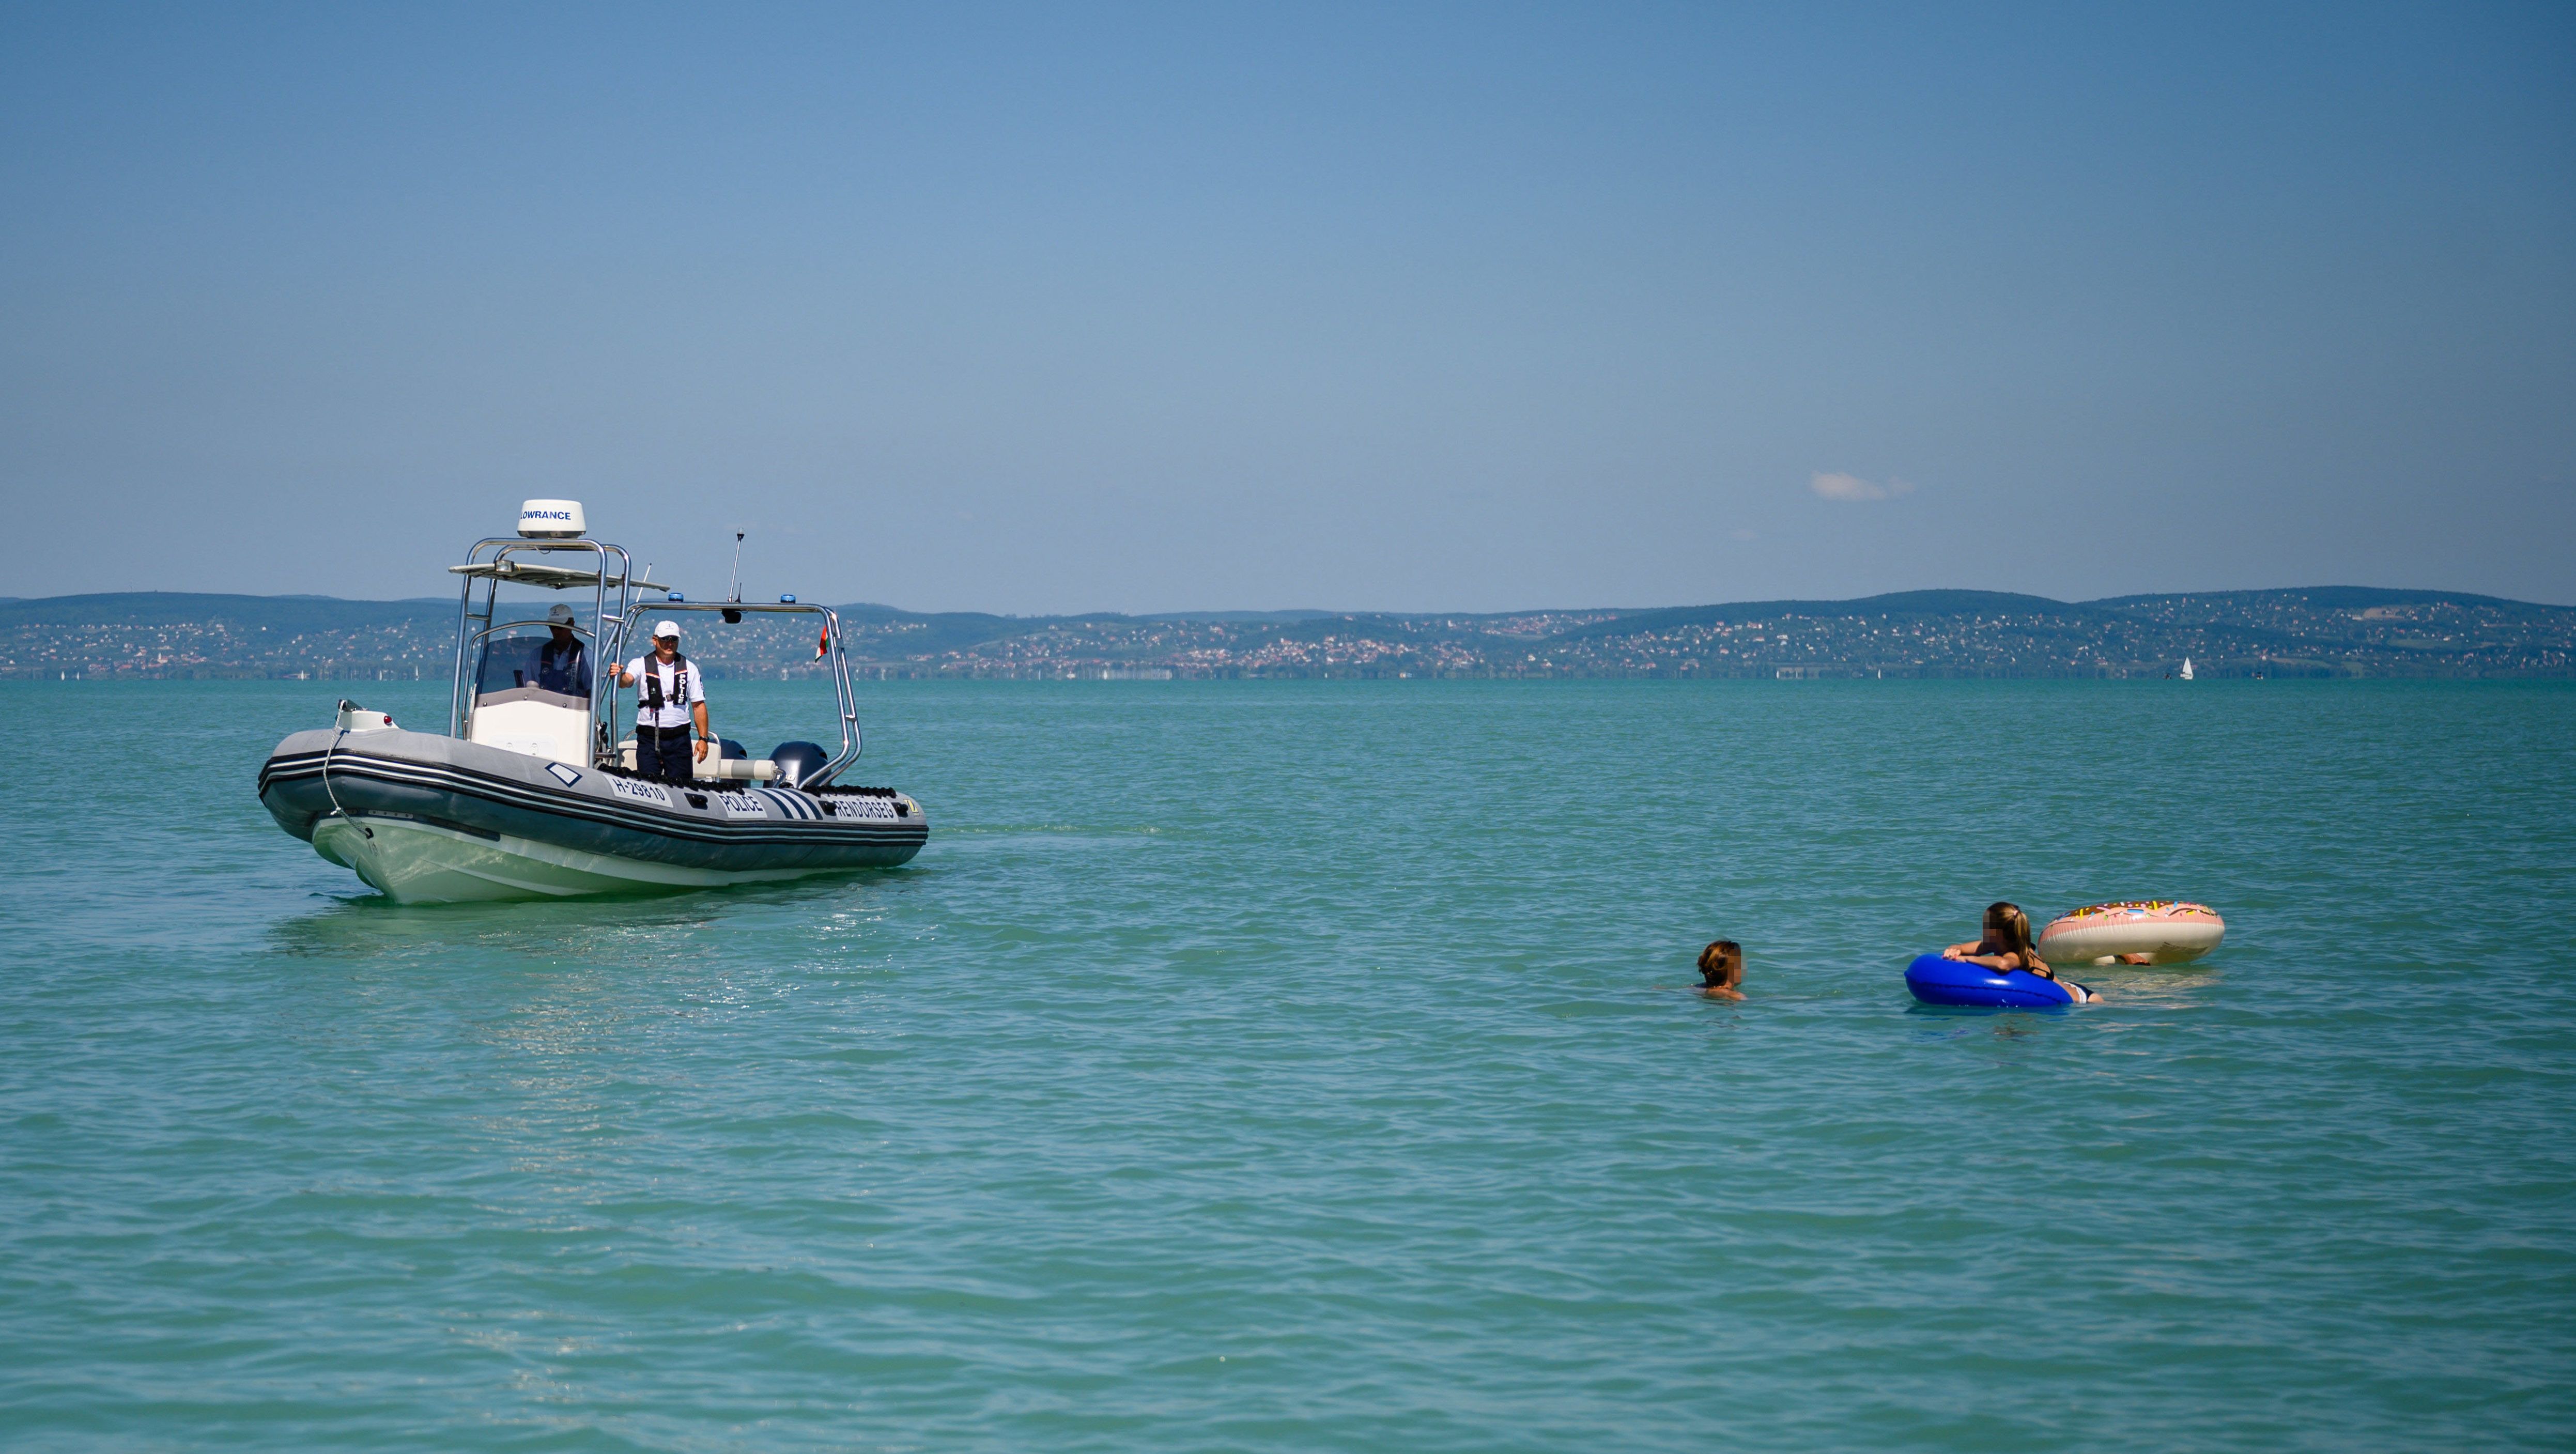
(668, 703)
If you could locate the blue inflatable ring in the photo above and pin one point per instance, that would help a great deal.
(1938, 981)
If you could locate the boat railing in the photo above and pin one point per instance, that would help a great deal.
(853, 742)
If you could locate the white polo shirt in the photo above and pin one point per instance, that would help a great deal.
(675, 712)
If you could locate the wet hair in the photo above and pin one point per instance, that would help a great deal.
(2007, 931)
(1722, 963)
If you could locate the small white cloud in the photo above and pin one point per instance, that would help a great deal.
(1853, 487)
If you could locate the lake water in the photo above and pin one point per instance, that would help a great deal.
(1299, 1066)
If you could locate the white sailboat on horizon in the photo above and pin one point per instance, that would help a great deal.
(2186, 668)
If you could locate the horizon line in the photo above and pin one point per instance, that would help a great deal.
(2419, 593)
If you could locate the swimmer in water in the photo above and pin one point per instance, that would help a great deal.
(2007, 947)
(1721, 970)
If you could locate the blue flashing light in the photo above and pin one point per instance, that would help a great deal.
(787, 600)
(674, 596)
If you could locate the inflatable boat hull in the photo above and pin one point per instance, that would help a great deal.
(430, 819)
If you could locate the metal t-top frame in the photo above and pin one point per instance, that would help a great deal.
(509, 558)
(520, 561)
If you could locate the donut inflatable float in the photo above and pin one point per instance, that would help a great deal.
(2167, 931)
(1938, 981)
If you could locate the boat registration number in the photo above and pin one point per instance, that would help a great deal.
(640, 792)
(880, 808)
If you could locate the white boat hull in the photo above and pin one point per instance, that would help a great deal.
(422, 863)
(429, 819)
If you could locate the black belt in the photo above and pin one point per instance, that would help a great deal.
(643, 727)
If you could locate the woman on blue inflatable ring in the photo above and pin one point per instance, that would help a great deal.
(2007, 947)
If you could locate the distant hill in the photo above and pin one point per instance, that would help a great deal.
(1910, 605)
(2337, 598)
(170, 608)
(2310, 631)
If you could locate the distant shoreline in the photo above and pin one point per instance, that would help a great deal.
(2323, 631)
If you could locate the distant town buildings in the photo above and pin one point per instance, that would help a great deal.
(2343, 632)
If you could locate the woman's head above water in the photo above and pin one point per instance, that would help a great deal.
(1721, 965)
(2008, 931)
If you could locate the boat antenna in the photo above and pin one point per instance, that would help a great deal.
(736, 587)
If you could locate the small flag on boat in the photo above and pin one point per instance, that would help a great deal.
(823, 644)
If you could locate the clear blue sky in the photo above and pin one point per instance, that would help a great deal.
(1142, 308)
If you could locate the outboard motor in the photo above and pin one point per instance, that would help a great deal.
(731, 751)
(798, 763)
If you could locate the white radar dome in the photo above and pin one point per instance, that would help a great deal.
(551, 519)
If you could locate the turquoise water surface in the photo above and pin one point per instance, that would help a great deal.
(1301, 1066)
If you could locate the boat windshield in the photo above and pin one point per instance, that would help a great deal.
(535, 664)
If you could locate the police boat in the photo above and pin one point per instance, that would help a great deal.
(531, 791)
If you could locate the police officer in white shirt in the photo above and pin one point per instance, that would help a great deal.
(670, 700)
